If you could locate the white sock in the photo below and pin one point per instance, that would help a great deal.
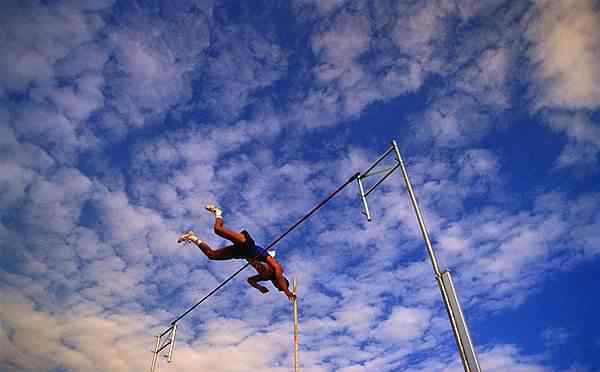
(195, 241)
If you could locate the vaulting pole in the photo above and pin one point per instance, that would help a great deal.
(295, 304)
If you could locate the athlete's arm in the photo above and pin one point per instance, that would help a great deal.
(282, 284)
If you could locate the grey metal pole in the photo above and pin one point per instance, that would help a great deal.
(415, 205)
(364, 198)
(471, 361)
(295, 304)
(155, 357)
(453, 324)
(170, 355)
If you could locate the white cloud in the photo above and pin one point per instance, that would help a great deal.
(452, 121)
(555, 336)
(75, 102)
(42, 125)
(351, 77)
(583, 134)
(319, 108)
(497, 359)
(477, 164)
(121, 220)
(565, 52)
(355, 68)
(55, 64)
(36, 37)
(357, 317)
(404, 325)
(505, 250)
(486, 79)
(339, 46)
(507, 358)
(54, 204)
(74, 340)
(418, 28)
(152, 80)
(156, 58)
(20, 164)
(242, 62)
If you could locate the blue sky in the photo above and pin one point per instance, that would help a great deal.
(121, 120)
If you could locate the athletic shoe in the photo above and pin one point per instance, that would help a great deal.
(214, 210)
(188, 237)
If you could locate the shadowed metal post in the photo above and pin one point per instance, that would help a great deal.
(444, 280)
(171, 343)
(361, 189)
(155, 356)
(461, 325)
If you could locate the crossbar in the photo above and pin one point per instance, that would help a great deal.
(167, 331)
(163, 347)
(389, 173)
(374, 164)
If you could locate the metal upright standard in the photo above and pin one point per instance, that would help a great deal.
(167, 338)
(444, 280)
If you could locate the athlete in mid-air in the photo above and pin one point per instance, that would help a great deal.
(243, 247)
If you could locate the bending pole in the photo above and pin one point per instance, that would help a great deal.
(304, 218)
(295, 305)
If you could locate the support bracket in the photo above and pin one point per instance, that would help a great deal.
(373, 170)
(164, 340)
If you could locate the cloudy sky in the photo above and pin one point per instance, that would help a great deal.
(120, 120)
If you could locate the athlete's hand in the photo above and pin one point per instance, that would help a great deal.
(290, 295)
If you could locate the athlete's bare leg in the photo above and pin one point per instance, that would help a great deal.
(225, 253)
(235, 237)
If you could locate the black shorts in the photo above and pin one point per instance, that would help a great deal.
(249, 250)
